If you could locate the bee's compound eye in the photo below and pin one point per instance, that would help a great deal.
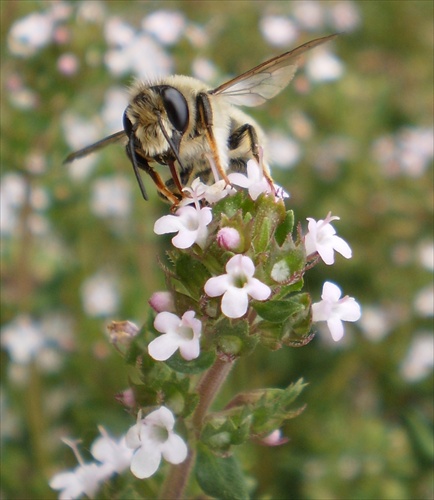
(176, 107)
(128, 126)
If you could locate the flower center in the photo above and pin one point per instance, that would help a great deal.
(186, 332)
(159, 434)
(239, 280)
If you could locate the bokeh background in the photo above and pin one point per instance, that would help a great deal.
(352, 134)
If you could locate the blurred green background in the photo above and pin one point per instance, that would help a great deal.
(353, 134)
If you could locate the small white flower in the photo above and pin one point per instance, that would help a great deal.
(334, 310)
(153, 438)
(212, 194)
(115, 454)
(83, 480)
(236, 286)
(190, 224)
(322, 238)
(178, 333)
(255, 181)
(23, 338)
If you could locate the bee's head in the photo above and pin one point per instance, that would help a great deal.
(158, 116)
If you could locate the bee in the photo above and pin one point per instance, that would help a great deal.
(180, 123)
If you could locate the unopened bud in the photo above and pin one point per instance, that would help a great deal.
(162, 302)
(228, 238)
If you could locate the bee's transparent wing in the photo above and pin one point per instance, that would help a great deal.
(266, 80)
(116, 137)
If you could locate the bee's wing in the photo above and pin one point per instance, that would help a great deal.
(94, 147)
(266, 80)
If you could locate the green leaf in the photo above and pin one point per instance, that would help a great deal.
(285, 228)
(219, 477)
(192, 274)
(277, 311)
(179, 364)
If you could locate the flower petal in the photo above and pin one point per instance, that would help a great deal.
(336, 328)
(217, 285)
(145, 461)
(257, 290)
(166, 322)
(174, 450)
(163, 347)
(235, 302)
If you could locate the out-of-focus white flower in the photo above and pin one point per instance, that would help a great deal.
(162, 301)
(419, 361)
(322, 238)
(111, 197)
(344, 16)
(100, 296)
(118, 32)
(68, 64)
(79, 133)
(153, 438)
(113, 453)
(142, 56)
(178, 333)
(30, 33)
(284, 151)
(83, 480)
(166, 25)
(426, 254)
(278, 30)
(334, 310)
(115, 103)
(203, 69)
(309, 14)
(410, 151)
(91, 12)
(12, 196)
(255, 181)
(236, 286)
(23, 339)
(424, 301)
(375, 323)
(189, 222)
(323, 66)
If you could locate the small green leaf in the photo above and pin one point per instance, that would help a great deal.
(285, 228)
(192, 274)
(179, 364)
(219, 477)
(277, 311)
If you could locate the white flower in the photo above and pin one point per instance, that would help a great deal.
(419, 360)
(115, 454)
(322, 238)
(153, 438)
(83, 480)
(212, 194)
(334, 310)
(179, 333)
(23, 339)
(255, 181)
(236, 286)
(190, 224)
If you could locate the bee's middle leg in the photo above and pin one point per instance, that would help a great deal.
(247, 133)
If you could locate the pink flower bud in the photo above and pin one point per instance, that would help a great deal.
(162, 302)
(228, 238)
(126, 398)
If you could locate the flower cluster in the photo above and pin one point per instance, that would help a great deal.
(141, 450)
(234, 280)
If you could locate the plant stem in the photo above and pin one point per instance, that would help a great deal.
(207, 388)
